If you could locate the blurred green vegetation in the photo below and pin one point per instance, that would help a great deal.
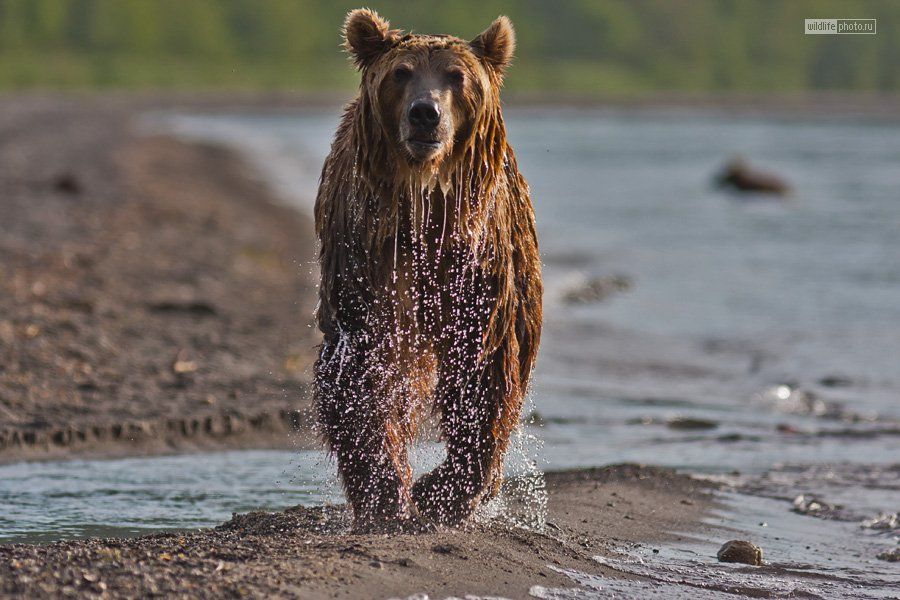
(565, 46)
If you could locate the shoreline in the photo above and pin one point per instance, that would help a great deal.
(822, 105)
(307, 553)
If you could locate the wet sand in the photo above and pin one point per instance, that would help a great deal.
(153, 296)
(306, 553)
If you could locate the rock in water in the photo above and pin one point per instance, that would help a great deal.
(806, 504)
(890, 555)
(740, 551)
(739, 176)
(691, 423)
(596, 289)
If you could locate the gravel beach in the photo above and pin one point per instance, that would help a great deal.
(153, 296)
(306, 553)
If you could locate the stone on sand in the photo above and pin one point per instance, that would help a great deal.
(740, 551)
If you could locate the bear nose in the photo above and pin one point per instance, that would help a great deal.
(424, 114)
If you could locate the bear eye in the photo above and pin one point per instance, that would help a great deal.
(402, 73)
(456, 76)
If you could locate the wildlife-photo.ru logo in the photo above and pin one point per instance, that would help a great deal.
(839, 26)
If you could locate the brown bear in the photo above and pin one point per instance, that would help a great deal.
(431, 281)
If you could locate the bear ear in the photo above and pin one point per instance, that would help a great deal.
(496, 44)
(366, 36)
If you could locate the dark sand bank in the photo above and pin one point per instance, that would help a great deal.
(153, 297)
(306, 553)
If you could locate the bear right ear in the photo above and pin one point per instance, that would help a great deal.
(366, 36)
(496, 44)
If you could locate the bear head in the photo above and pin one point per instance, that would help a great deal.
(428, 93)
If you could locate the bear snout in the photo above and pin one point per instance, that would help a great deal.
(423, 132)
(424, 115)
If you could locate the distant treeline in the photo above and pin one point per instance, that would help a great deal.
(565, 46)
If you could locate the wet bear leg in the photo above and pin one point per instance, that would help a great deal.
(365, 429)
(478, 414)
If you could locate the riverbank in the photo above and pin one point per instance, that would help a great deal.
(154, 296)
(306, 553)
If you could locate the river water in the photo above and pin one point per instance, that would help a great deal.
(758, 340)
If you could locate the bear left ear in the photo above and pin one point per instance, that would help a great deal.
(496, 44)
(366, 36)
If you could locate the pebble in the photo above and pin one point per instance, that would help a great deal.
(835, 381)
(691, 423)
(890, 555)
(806, 504)
(740, 551)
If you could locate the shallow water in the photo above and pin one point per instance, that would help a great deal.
(126, 497)
(718, 358)
(802, 560)
(731, 298)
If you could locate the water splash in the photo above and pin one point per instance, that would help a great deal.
(522, 502)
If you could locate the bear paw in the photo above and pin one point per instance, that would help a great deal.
(441, 500)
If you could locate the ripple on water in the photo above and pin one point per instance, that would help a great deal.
(41, 502)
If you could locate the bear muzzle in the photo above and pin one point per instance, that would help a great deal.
(423, 129)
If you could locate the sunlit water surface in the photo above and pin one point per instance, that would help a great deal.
(758, 336)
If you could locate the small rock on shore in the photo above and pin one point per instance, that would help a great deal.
(740, 551)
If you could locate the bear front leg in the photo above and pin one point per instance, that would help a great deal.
(367, 435)
(478, 414)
